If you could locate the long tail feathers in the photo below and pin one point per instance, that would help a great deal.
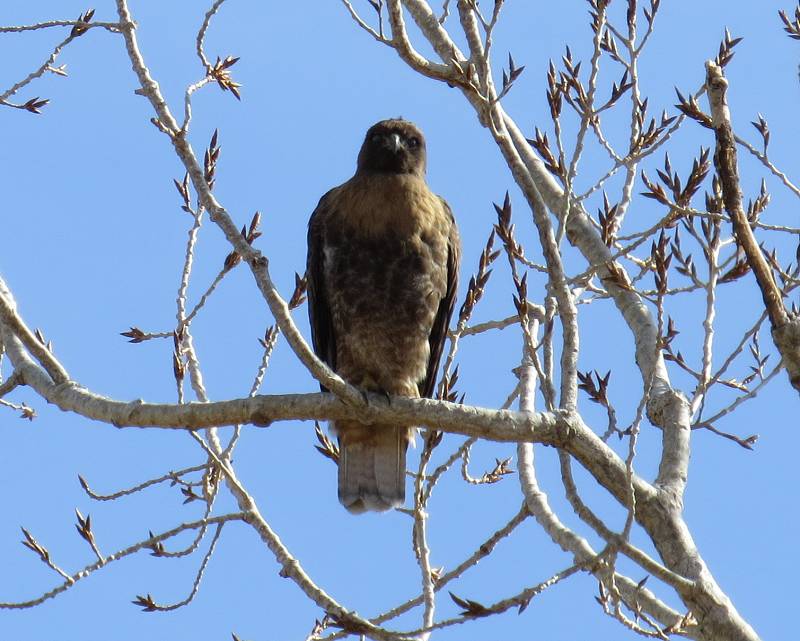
(372, 472)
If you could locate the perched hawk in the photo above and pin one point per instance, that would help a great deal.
(383, 255)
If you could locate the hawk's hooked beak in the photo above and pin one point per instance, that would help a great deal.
(396, 143)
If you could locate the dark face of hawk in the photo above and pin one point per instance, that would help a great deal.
(392, 147)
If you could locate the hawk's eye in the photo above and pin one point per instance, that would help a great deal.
(376, 136)
(413, 142)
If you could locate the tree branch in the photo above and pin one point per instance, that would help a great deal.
(785, 330)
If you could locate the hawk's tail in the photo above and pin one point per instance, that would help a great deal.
(372, 466)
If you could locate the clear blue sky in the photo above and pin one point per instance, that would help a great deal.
(92, 243)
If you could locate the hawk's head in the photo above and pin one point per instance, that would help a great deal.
(393, 147)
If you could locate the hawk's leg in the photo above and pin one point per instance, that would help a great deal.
(381, 392)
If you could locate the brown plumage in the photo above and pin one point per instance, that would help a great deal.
(383, 255)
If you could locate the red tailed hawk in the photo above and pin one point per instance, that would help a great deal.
(383, 255)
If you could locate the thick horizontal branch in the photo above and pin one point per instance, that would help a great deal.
(558, 429)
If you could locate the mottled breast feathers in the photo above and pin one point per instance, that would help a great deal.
(383, 274)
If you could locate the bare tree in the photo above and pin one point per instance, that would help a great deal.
(700, 249)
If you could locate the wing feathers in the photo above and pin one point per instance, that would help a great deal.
(441, 323)
(319, 312)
